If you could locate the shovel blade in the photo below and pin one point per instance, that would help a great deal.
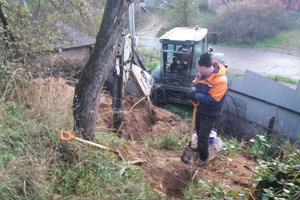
(187, 155)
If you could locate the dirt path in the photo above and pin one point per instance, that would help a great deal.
(154, 25)
(147, 35)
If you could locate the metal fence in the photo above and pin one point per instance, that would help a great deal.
(254, 102)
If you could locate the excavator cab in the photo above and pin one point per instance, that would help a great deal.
(179, 60)
(180, 49)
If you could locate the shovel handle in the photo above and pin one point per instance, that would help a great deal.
(67, 136)
(195, 104)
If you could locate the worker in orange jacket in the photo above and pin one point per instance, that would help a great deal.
(209, 89)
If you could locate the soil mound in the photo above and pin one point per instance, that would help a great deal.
(141, 118)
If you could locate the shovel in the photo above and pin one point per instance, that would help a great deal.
(188, 152)
(67, 136)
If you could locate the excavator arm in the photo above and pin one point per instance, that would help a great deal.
(128, 72)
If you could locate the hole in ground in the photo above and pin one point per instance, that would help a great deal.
(175, 181)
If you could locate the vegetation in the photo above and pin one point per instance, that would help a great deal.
(183, 13)
(283, 79)
(247, 28)
(168, 141)
(241, 23)
(30, 144)
(183, 111)
(150, 58)
(35, 26)
(286, 40)
(276, 178)
(35, 164)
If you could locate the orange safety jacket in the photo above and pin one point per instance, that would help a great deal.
(211, 90)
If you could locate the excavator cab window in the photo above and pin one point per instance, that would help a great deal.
(177, 60)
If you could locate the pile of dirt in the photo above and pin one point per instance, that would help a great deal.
(141, 118)
(162, 168)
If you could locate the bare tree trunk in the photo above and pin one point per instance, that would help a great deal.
(98, 67)
(7, 32)
(5, 24)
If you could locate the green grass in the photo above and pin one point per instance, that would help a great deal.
(283, 79)
(161, 32)
(35, 164)
(153, 64)
(184, 111)
(168, 141)
(278, 78)
(150, 58)
(286, 39)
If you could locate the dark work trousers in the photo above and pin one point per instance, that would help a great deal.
(204, 124)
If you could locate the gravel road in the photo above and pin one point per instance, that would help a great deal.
(261, 61)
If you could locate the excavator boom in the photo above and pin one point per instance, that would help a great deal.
(128, 72)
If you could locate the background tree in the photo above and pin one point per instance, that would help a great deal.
(185, 12)
(30, 28)
(181, 12)
(7, 33)
(39, 25)
(99, 65)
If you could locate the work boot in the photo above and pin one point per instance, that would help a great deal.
(200, 162)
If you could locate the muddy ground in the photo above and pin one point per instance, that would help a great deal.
(162, 168)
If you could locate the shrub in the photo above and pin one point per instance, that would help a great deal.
(245, 22)
(279, 179)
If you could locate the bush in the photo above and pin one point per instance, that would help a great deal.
(246, 23)
(279, 179)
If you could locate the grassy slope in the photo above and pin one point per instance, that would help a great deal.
(288, 40)
(35, 164)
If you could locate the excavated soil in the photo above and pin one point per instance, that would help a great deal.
(162, 168)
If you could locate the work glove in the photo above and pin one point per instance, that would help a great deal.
(191, 94)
